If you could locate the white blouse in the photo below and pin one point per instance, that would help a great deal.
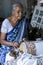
(6, 26)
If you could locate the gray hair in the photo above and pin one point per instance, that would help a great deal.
(17, 5)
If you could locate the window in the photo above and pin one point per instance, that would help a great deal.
(37, 18)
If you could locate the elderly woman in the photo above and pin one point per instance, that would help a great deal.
(13, 30)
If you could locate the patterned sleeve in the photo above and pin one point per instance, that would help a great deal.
(4, 26)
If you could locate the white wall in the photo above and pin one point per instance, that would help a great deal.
(5, 6)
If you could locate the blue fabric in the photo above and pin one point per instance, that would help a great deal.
(15, 35)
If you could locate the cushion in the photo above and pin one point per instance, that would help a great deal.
(39, 47)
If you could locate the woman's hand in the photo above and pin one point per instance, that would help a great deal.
(23, 39)
(15, 44)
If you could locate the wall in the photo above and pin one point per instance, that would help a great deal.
(5, 6)
(1, 9)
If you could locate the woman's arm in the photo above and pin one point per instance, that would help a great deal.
(4, 42)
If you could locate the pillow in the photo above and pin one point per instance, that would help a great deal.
(39, 47)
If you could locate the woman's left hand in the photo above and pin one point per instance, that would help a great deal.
(23, 39)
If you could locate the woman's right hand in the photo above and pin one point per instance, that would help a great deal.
(4, 42)
(15, 44)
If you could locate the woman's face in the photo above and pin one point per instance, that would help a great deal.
(17, 13)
